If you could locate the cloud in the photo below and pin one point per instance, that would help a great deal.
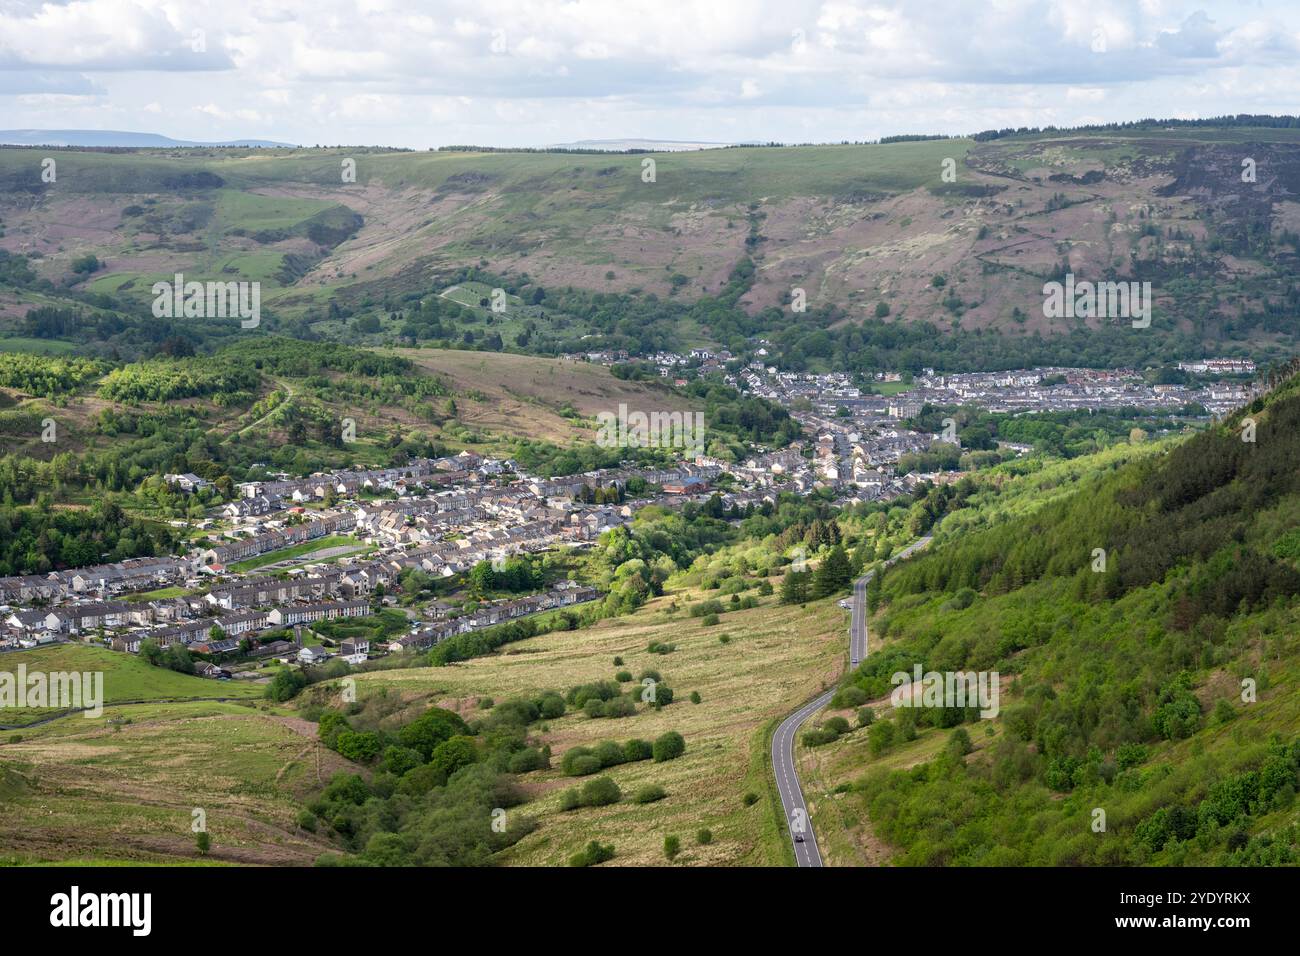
(527, 71)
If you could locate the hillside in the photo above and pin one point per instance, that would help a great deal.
(710, 251)
(1144, 629)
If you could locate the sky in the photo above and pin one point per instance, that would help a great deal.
(540, 72)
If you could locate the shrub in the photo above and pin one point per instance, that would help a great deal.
(749, 799)
(623, 677)
(672, 846)
(851, 696)
(704, 837)
(695, 697)
(202, 842)
(618, 662)
(600, 792)
(649, 793)
(361, 746)
(709, 620)
(668, 746)
(579, 765)
(527, 760)
(866, 716)
(398, 760)
(550, 705)
(307, 820)
(959, 744)
(881, 737)
(637, 749)
(609, 753)
(593, 853)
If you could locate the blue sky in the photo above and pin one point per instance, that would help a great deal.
(505, 72)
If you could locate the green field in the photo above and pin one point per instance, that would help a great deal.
(126, 678)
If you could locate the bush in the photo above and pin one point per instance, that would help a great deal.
(202, 842)
(398, 760)
(649, 793)
(709, 620)
(959, 744)
(695, 697)
(672, 846)
(609, 753)
(527, 760)
(579, 765)
(307, 820)
(837, 724)
(637, 749)
(851, 696)
(866, 716)
(623, 677)
(593, 853)
(881, 737)
(361, 746)
(704, 837)
(749, 799)
(600, 792)
(668, 746)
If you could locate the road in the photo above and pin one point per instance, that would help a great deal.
(807, 853)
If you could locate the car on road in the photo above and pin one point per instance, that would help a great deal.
(798, 838)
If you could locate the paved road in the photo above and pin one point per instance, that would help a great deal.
(807, 853)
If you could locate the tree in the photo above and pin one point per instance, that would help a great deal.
(796, 587)
(430, 729)
(361, 746)
(834, 574)
(451, 755)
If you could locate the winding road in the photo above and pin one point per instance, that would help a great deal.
(806, 852)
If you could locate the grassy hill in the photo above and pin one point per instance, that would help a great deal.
(744, 685)
(126, 678)
(1154, 683)
(956, 234)
(123, 789)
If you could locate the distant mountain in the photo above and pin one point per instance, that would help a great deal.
(657, 145)
(110, 137)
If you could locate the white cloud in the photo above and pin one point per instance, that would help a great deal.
(532, 71)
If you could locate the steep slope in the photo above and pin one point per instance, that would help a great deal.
(956, 233)
(1143, 629)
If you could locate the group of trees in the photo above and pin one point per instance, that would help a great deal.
(1115, 605)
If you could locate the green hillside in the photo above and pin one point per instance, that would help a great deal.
(126, 678)
(1152, 689)
(909, 254)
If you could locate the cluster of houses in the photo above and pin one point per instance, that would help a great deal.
(441, 530)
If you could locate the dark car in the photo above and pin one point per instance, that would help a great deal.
(798, 838)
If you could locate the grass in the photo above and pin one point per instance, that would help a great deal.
(126, 677)
(124, 789)
(777, 657)
(296, 551)
(36, 346)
